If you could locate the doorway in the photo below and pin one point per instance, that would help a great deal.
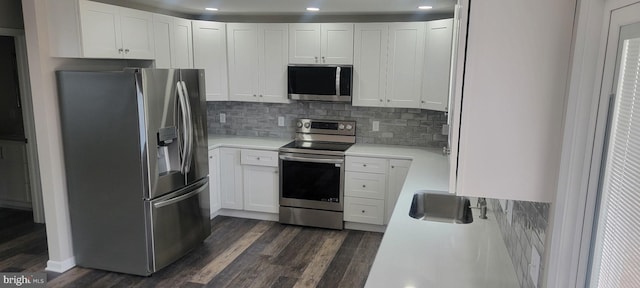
(615, 248)
(19, 173)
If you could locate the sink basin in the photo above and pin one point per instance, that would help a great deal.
(441, 208)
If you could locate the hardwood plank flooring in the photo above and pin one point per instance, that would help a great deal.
(239, 253)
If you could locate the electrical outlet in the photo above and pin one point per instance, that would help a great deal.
(280, 121)
(376, 126)
(445, 129)
(223, 118)
(534, 266)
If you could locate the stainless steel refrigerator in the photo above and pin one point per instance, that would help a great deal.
(135, 152)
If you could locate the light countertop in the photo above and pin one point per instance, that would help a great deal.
(417, 253)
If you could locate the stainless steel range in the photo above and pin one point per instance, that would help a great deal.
(312, 173)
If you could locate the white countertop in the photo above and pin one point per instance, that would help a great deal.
(261, 143)
(416, 253)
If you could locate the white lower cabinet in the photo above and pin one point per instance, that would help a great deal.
(364, 210)
(261, 181)
(372, 186)
(245, 179)
(214, 180)
(231, 181)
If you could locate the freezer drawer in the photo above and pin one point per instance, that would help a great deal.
(179, 222)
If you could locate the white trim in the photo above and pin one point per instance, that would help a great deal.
(27, 118)
(248, 214)
(573, 213)
(60, 266)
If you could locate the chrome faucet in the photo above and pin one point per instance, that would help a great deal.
(482, 204)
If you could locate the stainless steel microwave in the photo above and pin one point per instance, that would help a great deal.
(330, 83)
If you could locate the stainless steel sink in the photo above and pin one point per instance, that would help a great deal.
(441, 208)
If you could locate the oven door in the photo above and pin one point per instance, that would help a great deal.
(312, 181)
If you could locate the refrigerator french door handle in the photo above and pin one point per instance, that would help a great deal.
(338, 81)
(185, 129)
(190, 128)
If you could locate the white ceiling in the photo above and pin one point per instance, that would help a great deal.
(279, 7)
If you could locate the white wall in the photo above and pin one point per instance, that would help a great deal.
(42, 69)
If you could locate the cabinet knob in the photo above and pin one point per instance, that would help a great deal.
(364, 186)
(254, 95)
(363, 211)
(258, 158)
(422, 101)
(393, 166)
(316, 59)
(364, 165)
(388, 100)
(380, 100)
(323, 60)
(126, 51)
(260, 95)
(120, 51)
(210, 157)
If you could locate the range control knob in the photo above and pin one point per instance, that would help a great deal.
(349, 127)
(299, 124)
(341, 126)
(307, 125)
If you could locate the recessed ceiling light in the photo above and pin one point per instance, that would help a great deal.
(313, 9)
(424, 7)
(211, 9)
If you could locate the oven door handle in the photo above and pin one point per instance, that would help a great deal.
(314, 160)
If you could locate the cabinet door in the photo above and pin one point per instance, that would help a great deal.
(405, 64)
(137, 34)
(210, 54)
(274, 50)
(162, 31)
(261, 188)
(14, 181)
(100, 29)
(398, 170)
(337, 43)
(230, 179)
(437, 66)
(182, 56)
(243, 61)
(523, 97)
(214, 180)
(370, 64)
(304, 43)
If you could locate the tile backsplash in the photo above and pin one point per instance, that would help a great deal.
(398, 126)
(522, 228)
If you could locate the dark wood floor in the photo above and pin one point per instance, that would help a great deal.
(23, 244)
(239, 253)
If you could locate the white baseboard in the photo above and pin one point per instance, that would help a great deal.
(247, 214)
(15, 204)
(365, 227)
(60, 266)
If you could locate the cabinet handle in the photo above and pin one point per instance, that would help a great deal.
(126, 51)
(120, 51)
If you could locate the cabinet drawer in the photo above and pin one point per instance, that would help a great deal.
(259, 158)
(365, 185)
(364, 164)
(370, 211)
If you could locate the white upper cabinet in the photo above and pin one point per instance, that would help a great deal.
(327, 43)
(405, 64)
(370, 64)
(210, 54)
(388, 64)
(437, 67)
(85, 29)
(115, 32)
(514, 96)
(257, 62)
(172, 42)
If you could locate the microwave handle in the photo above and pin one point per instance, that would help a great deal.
(338, 81)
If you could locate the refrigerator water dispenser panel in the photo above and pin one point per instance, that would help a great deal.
(168, 151)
